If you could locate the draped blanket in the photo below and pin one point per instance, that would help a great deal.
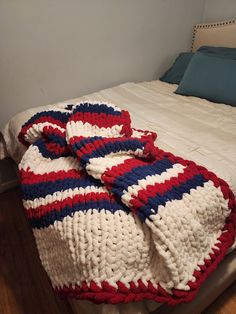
(115, 218)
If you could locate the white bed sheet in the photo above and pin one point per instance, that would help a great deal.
(193, 128)
(190, 127)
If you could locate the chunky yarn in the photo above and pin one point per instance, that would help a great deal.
(115, 218)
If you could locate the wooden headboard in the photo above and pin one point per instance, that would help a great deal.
(221, 34)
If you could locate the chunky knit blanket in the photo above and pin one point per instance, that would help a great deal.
(115, 218)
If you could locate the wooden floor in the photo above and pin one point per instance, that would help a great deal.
(24, 286)
(225, 304)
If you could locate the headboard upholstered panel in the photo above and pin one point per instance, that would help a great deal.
(215, 34)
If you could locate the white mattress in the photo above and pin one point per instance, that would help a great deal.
(190, 127)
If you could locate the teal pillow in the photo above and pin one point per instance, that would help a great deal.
(176, 72)
(212, 78)
(223, 52)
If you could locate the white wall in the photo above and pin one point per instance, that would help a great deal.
(51, 50)
(219, 10)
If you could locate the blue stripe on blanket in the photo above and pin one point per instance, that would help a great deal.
(83, 141)
(41, 144)
(114, 147)
(42, 189)
(55, 215)
(57, 139)
(96, 108)
(138, 173)
(62, 116)
(176, 193)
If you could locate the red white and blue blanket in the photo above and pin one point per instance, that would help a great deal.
(115, 218)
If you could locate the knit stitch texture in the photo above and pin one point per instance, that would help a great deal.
(115, 218)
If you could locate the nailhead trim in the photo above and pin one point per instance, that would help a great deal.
(208, 26)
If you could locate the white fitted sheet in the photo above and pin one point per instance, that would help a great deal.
(190, 127)
(193, 128)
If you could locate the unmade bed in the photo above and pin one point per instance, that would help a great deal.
(190, 127)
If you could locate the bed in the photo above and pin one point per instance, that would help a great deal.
(194, 128)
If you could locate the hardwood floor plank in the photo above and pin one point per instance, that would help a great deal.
(24, 285)
(225, 303)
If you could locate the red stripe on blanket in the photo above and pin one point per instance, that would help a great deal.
(51, 130)
(42, 210)
(110, 175)
(208, 175)
(90, 147)
(161, 188)
(29, 177)
(48, 119)
(102, 120)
